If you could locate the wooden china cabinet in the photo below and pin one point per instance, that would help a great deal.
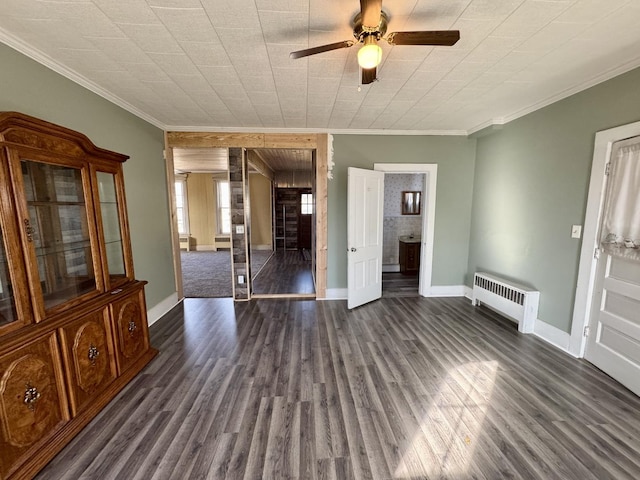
(73, 326)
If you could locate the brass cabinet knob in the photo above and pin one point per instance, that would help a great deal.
(93, 353)
(31, 396)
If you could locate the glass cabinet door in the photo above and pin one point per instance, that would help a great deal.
(8, 313)
(111, 229)
(58, 227)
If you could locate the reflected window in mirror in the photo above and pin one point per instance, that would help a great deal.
(411, 202)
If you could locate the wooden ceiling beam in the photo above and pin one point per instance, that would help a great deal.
(246, 140)
(256, 161)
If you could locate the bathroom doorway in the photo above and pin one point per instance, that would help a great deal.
(414, 228)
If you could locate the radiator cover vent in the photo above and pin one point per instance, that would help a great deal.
(518, 302)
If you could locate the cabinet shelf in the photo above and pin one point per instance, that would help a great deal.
(47, 203)
(62, 247)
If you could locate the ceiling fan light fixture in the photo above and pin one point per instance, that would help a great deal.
(370, 55)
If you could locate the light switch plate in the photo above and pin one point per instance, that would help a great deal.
(576, 231)
(239, 229)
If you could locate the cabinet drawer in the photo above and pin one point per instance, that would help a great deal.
(129, 320)
(88, 353)
(33, 404)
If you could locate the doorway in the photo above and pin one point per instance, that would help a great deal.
(317, 144)
(203, 221)
(365, 210)
(423, 178)
(289, 270)
(402, 233)
(613, 339)
(586, 288)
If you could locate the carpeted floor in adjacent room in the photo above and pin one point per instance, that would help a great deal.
(208, 274)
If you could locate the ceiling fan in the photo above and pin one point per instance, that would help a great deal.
(370, 26)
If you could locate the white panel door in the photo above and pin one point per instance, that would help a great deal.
(365, 208)
(613, 344)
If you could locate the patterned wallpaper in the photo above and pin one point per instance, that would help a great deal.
(394, 185)
(395, 224)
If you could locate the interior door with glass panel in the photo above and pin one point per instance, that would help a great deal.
(114, 236)
(613, 344)
(58, 238)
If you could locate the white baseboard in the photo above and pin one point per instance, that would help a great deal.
(261, 247)
(447, 291)
(553, 335)
(468, 292)
(335, 294)
(390, 267)
(436, 291)
(205, 248)
(157, 311)
(550, 334)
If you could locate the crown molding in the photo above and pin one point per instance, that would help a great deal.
(45, 60)
(592, 82)
(440, 133)
(307, 131)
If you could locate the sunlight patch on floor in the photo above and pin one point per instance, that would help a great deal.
(449, 431)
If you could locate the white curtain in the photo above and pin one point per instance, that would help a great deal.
(621, 221)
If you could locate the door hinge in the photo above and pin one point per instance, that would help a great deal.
(596, 253)
(587, 329)
(607, 169)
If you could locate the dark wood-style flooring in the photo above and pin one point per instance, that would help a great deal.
(396, 284)
(286, 272)
(403, 388)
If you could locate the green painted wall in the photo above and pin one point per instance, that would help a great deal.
(506, 200)
(455, 157)
(531, 184)
(28, 87)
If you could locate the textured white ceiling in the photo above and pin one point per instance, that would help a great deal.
(224, 64)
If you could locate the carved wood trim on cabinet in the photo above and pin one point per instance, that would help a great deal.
(33, 404)
(73, 326)
(130, 329)
(87, 347)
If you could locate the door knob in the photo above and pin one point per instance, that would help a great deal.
(353, 249)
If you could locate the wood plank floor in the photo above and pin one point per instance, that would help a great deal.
(286, 271)
(396, 284)
(403, 388)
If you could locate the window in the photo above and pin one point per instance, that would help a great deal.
(182, 211)
(306, 203)
(224, 208)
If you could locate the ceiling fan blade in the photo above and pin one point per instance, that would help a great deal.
(368, 75)
(435, 37)
(321, 49)
(370, 11)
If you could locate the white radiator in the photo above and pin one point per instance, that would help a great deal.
(518, 302)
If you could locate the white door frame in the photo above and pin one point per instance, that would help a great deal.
(587, 267)
(430, 171)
